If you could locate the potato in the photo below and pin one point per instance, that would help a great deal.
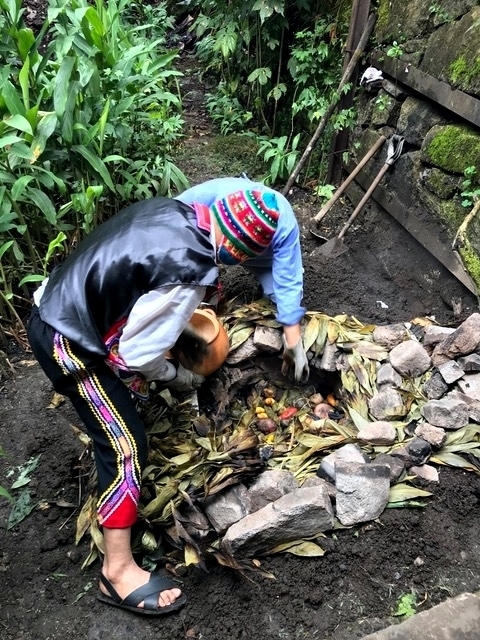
(266, 425)
(322, 410)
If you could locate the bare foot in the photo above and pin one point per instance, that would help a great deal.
(132, 577)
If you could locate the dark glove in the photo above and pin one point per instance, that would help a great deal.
(295, 363)
(185, 380)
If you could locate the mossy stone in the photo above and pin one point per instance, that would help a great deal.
(442, 184)
(471, 260)
(452, 147)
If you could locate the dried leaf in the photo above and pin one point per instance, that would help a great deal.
(158, 503)
(191, 555)
(452, 460)
(400, 492)
(311, 332)
(87, 515)
(56, 401)
(332, 331)
(299, 548)
(358, 420)
(237, 338)
(370, 350)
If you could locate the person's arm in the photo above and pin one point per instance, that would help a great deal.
(153, 326)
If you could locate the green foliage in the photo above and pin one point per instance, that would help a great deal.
(227, 112)
(395, 50)
(278, 65)
(406, 605)
(3, 492)
(281, 153)
(88, 124)
(325, 191)
(470, 187)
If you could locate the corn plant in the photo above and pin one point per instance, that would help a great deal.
(88, 123)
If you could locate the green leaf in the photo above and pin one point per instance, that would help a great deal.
(62, 85)
(6, 246)
(44, 204)
(28, 468)
(22, 508)
(25, 41)
(6, 141)
(12, 100)
(4, 494)
(96, 164)
(31, 278)
(19, 187)
(24, 83)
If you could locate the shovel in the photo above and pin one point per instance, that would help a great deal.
(336, 246)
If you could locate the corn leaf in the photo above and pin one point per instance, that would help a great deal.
(400, 492)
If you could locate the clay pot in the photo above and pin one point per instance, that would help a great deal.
(207, 325)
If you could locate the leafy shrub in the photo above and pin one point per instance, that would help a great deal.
(90, 115)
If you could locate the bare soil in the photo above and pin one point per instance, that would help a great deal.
(354, 589)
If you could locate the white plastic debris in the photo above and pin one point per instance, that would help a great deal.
(371, 74)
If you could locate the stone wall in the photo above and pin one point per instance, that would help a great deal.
(439, 40)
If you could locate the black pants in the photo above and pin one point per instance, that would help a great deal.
(108, 411)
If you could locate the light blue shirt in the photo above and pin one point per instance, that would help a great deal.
(279, 269)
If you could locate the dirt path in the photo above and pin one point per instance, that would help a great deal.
(351, 591)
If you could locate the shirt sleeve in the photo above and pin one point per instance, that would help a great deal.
(153, 326)
(287, 268)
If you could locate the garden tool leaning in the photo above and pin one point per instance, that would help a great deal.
(336, 246)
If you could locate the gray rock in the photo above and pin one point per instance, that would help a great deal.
(227, 507)
(448, 413)
(379, 433)
(387, 404)
(450, 371)
(410, 359)
(473, 406)
(433, 334)
(470, 363)
(390, 335)
(416, 118)
(395, 465)
(270, 486)
(362, 491)
(470, 385)
(302, 513)
(462, 342)
(315, 481)
(435, 436)
(347, 453)
(387, 375)
(267, 339)
(244, 352)
(435, 387)
(426, 471)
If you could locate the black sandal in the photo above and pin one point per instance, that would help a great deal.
(148, 593)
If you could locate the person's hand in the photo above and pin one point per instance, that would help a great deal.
(185, 380)
(295, 363)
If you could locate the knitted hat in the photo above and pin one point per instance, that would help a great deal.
(247, 220)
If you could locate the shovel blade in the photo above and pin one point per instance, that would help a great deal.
(333, 248)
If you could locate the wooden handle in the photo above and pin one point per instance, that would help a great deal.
(328, 205)
(363, 201)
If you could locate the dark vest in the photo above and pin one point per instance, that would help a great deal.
(148, 245)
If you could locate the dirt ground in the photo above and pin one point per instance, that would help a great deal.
(354, 589)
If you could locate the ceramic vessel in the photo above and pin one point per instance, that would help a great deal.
(207, 325)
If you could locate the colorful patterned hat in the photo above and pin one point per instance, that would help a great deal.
(248, 221)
